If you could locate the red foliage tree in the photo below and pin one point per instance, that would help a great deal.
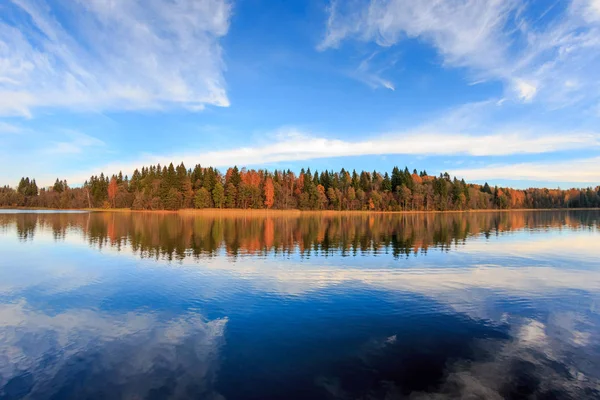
(112, 190)
(269, 193)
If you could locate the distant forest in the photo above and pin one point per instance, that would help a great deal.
(176, 187)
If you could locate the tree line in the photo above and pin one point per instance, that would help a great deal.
(176, 187)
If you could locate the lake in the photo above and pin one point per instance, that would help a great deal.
(312, 306)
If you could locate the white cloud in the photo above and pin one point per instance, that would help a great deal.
(497, 39)
(526, 90)
(590, 9)
(458, 29)
(579, 170)
(115, 55)
(293, 145)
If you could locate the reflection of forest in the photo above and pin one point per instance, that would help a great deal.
(179, 235)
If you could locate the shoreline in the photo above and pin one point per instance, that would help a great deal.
(271, 212)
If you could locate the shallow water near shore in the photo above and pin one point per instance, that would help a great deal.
(108, 305)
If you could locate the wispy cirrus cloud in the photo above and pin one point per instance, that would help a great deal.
(75, 144)
(368, 73)
(114, 55)
(550, 54)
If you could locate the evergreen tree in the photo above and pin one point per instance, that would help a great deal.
(486, 189)
(173, 199)
(33, 189)
(407, 179)
(386, 185)
(396, 178)
(58, 186)
(197, 177)
(355, 180)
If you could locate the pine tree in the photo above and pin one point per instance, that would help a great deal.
(386, 185)
(34, 188)
(58, 186)
(486, 189)
(396, 179)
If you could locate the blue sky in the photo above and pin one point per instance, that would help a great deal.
(503, 91)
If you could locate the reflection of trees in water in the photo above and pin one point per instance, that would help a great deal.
(26, 230)
(179, 235)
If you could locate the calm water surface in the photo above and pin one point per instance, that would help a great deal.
(149, 306)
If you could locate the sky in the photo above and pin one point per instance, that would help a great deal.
(503, 91)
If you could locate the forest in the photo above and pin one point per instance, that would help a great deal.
(177, 187)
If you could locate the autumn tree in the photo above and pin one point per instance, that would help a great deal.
(202, 199)
(187, 191)
(351, 196)
(322, 201)
(333, 198)
(218, 195)
(375, 200)
(230, 196)
(269, 192)
(112, 190)
(404, 194)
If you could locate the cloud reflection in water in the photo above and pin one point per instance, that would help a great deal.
(82, 352)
